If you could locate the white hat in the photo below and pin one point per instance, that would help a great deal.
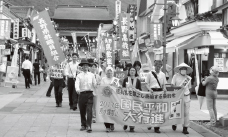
(183, 65)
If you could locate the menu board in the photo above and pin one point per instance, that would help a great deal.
(219, 62)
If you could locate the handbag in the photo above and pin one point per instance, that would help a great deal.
(156, 77)
(201, 90)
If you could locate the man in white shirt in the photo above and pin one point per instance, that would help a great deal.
(71, 72)
(27, 71)
(155, 81)
(85, 84)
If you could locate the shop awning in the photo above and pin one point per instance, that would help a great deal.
(217, 38)
(171, 46)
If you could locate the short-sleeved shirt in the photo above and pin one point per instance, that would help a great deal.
(178, 80)
(152, 82)
(36, 67)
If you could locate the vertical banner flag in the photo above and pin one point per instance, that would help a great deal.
(156, 34)
(5, 27)
(124, 40)
(131, 33)
(16, 29)
(109, 50)
(24, 32)
(118, 8)
(15, 56)
(48, 39)
(74, 37)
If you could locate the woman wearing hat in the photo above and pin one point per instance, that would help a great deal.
(211, 83)
(109, 80)
(179, 79)
(85, 85)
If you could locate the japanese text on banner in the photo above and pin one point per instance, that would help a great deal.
(48, 39)
(129, 107)
(124, 40)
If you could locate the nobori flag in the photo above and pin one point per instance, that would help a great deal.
(48, 39)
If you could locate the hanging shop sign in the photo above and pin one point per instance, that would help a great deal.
(156, 34)
(124, 39)
(16, 29)
(2, 46)
(6, 52)
(5, 27)
(24, 32)
(108, 40)
(219, 62)
(118, 8)
(131, 33)
(48, 39)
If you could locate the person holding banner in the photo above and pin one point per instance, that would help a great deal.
(84, 85)
(27, 71)
(137, 65)
(71, 72)
(155, 82)
(132, 82)
(181, 79)
(109, 80)
(59, 83)
(93, 69)
(211, 83)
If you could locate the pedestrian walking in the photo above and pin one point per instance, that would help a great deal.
(71, 72)
(109, 80)
(45, 70)
(180, 79)
(59, 83)
(27, 70)
(211, 83)
(155, 82)
(85, 83)
(36, 67)
(51, 75)
(132, 82)
(94, 70)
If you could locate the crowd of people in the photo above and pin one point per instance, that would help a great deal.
(82, 77)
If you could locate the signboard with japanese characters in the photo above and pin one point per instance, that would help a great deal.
(219, 62)
(118, 8)
(11, 74)
(156, 34)
(131, 32)
(139, 108)
(16, 29)
(124, 39)
(24, 32)
(108, 41)
(57, 72)
(5, 27)
(48, 39)
(2, 46)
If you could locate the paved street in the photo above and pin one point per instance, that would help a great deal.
(29, 113)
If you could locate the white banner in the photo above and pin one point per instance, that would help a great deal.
(16, 29)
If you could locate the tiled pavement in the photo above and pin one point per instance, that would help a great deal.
(29, 113)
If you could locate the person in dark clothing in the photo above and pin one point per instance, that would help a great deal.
(36, 66)
(131, 82)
